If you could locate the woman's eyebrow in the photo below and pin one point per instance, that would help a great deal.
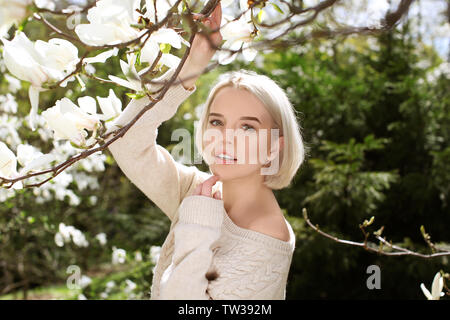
(242, 118)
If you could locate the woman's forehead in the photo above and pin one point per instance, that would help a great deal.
(235, 103)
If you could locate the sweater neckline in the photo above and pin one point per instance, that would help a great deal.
(285, 246)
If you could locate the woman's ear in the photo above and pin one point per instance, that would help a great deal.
(281, 142)
(275, 150)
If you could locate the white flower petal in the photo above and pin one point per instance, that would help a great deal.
(170, 60)
(102, 57)
(8, 161)
(149, 52)
(111, 106)
(165, 35)
(87, 104)
(125, 83)
(102, 34)
(249, 53)
(426, 292)
(437, 285)
(38, 163)
(226, 3)
(33, 93)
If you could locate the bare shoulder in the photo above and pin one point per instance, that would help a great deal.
(272, 225)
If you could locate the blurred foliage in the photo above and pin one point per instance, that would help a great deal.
(378, 126)
(378, 129)
(117, 286)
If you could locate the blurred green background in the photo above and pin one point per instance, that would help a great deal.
(375, 113)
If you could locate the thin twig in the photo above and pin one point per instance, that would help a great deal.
(370, 246)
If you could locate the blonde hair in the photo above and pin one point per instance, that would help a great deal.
(283, 114)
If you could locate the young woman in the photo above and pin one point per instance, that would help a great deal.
(228, 237)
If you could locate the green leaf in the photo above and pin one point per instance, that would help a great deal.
(165, 47)
(138, 58)
(368, 223)
(277, 7)
(109, 160)
(136, 96)
(261, 15)
(73, 144)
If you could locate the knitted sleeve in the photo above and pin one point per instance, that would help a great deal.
(198, 228)
(148, 165)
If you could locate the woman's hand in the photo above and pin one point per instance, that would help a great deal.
(201, 51)
(205, 188)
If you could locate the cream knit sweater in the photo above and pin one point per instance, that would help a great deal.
(205, 255)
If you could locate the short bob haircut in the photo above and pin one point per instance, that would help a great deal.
(283, 114)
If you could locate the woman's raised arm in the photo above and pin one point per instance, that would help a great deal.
(148, 165)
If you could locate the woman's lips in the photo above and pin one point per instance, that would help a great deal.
(220, 160)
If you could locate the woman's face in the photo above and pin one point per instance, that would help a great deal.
(238, 125)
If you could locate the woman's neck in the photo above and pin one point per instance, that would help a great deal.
(247, 197)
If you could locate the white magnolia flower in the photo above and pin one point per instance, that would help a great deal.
(436, 288)
(138, 256)
(8, 165)
(38, 63)
(14, 84)
(111, 106)
(8, 162)
(102, 57)
(93, 200)
(109, 285)
(133, 78)
(236, 34)
(60, 55)
(101, 237)
(243, 5)
(59, 239)
(110, 23)
(79, 239)
(152, 47)
(162, 8)
(226, 3)
(68, 121)
(12, 12)
(154, 253)
(25, 62)
(118, 255)
(130, 286)
(45, 4)
(85, 281)
(32, 159)
(65, 233)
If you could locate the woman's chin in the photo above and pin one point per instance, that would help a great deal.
(230, 172)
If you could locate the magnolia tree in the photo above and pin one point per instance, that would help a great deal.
(149, 38)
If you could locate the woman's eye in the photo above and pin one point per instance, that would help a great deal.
(247, 127)
(213, 121)
(250, 128)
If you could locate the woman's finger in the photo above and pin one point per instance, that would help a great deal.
(218, 195)
(198, 16)
(208, 184)
(216, 15)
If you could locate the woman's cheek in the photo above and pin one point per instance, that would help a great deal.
(248, 149)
